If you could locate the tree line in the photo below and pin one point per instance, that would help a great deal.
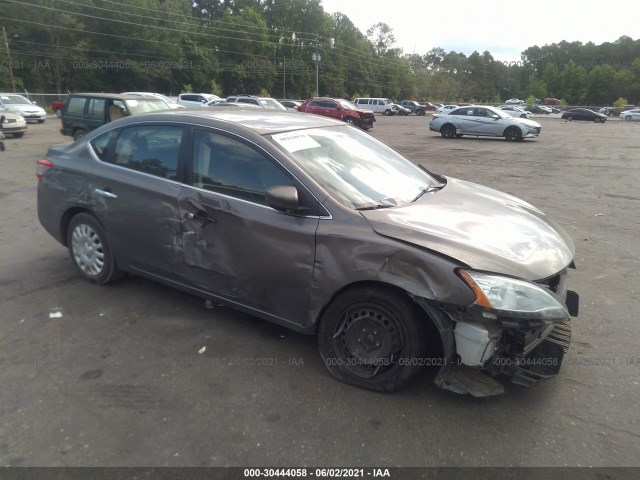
(276, 48)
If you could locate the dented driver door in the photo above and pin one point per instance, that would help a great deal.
(235, 246)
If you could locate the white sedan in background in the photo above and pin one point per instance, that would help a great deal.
(446, 108)
(483, 121)
(631, 114)
(515, 111)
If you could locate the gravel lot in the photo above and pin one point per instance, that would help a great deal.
(111, 376)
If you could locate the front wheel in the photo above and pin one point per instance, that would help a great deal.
(570, 118)
(351, 121)
(90, 251)
(18, 134)
(628, 117)
(597, 120)
(448, 131)
(513, 134)
(373, 338)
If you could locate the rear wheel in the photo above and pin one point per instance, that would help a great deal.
(420, 113)
(387, 113)
(78, 134)
(90, 251)
(570, 118)
(513, 134)
(373, 338)
(448, 131)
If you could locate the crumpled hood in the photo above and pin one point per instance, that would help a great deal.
(481, 227)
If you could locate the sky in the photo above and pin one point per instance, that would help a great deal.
(505, 28)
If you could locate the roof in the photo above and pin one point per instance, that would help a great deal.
(261, 121)
(117, 96)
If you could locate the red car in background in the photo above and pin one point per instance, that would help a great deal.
(340, 109)
(551, 101)
(57, 106)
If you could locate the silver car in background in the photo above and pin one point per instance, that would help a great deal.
(22, 106)
(483, 121)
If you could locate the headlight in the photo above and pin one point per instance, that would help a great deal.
(514, 298)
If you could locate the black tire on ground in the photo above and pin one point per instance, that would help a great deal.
(448, 131)
(420, 113)
(90, 251)
(351, 121)
(628, 117)
(387, 113)
(40, 121)
(373, 338)
(570, 118)
(78, 134)
(18, 134)
(597, 120)
(513, 134)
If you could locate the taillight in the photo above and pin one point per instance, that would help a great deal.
(42, 165)
(434, 116)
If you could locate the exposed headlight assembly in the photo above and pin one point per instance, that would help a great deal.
(510, 297)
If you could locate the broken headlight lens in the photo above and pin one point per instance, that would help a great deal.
(514, 297)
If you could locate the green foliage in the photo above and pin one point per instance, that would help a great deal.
(259, 46)
(187, 88)
(620, 102)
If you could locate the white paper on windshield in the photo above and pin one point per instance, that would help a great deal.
(294, 141)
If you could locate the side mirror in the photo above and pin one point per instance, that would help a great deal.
(495, 117)
(283, 197)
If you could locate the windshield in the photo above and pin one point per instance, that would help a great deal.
(145, 105)
(356, 169)
(14, 100)
(271, 103)
(347, 105)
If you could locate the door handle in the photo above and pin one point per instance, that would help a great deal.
(105, 193)
(200, 217)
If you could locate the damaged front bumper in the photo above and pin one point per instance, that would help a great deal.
(477, 351)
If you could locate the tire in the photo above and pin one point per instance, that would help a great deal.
(448, 131)
(570, 118)
(597, 120)
(58, 112)
(18, 134)
(420, 113)
(513, 134)
(40, 121)
(78, 134)
(628, 117)
(523, 116)
(373, 338)
(387, 113)
(351, 121)
(90, 251)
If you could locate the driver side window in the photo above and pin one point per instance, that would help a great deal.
(228, 166)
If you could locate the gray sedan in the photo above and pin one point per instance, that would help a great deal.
(316, 226)
(482, 121)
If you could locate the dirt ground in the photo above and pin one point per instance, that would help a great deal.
(111, 376)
